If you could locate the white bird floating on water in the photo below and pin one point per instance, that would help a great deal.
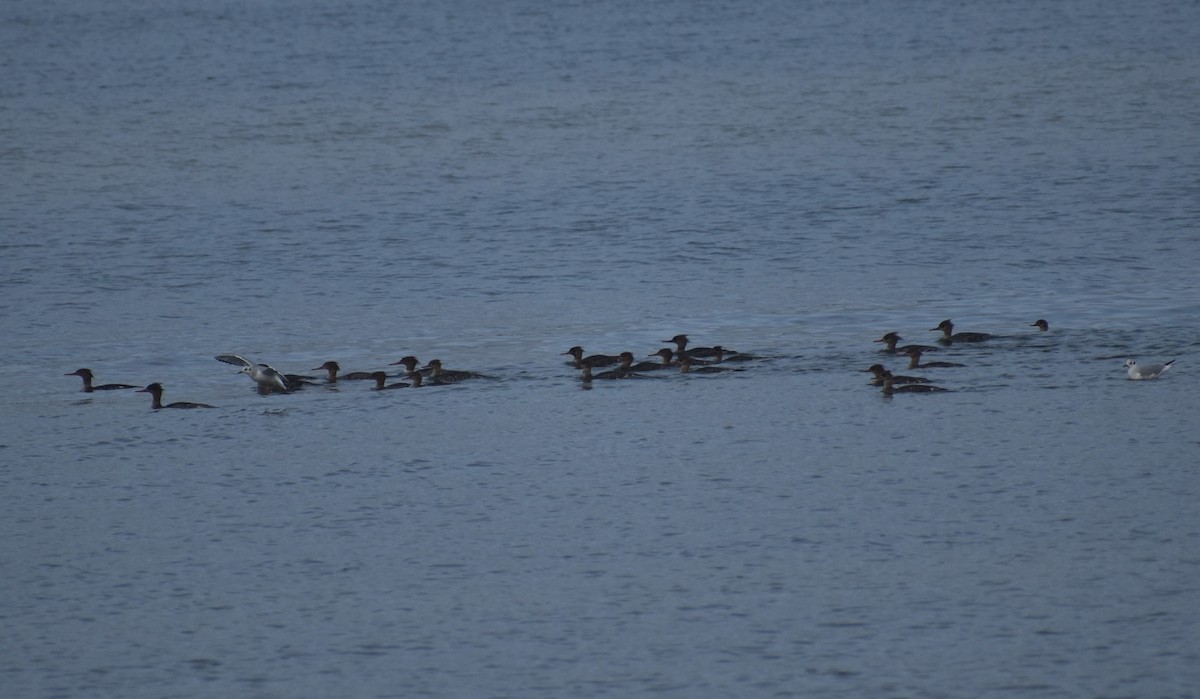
(1138, 372)
(264, 375)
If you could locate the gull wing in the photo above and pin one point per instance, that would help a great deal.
(275, 376)
(234, 360)
(1155, 370)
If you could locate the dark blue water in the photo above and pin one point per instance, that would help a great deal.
(298, 182)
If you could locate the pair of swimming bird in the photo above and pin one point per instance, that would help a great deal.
(155, 390)
(948, 337)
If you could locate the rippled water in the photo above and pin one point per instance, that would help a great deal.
(302, 181)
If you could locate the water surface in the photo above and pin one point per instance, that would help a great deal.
(298, 182)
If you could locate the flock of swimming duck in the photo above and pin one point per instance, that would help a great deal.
(705, 360)
(269, 380)
(893, 383)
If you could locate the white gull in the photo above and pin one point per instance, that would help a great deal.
(1138, 372)
(263, 374)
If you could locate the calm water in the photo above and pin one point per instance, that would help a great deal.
(303, 181)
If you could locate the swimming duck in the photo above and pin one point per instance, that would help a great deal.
(891, 339)
(949, 336)
(889, 386)
(333, 368)
(87, 376)
(681, 348)
(1138, 372)
(438, 375)
(617, 373)
(665, 353)
(380, 378)
(878, 370)
(156, 391)
(265, 375)
(410, 366)
(596, 359)
(914, 362)
(1041, 324)
(723, 355)
(685, 367)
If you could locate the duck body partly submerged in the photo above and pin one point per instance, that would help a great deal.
(890, 387)
(410, 364)
(681, 348)
(156, 392)
(333, 370)
(879, 370)
(914, 362)
(610, 374)
(687, 366)
(665, 355)
(720, 355)
(88, 377)
(438, 375)
(587, 375)
(595, 360)
(381, 377)
(890, 341)
(950, 337)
